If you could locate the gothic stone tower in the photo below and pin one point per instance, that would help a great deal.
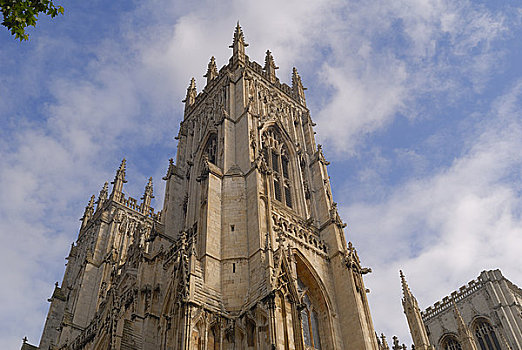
(249, 250)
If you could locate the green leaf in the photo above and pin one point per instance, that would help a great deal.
(19, 14)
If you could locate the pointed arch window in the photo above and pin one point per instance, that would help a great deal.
(309, 320)
(485, 336)
(451, 343)
(278, 161)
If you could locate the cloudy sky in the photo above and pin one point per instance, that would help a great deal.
(418, 104)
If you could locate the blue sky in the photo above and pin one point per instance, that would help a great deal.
(417, 103)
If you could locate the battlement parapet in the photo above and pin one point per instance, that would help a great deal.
(226, 70)
(285, 88)
(456, 296)
(132, 203)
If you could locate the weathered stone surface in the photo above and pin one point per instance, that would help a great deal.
(489, 304)
(248, 251)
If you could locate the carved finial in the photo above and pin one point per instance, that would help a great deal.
(121, 169)
(102, 197)
(405, 288)
(238, 46)
(104, 189)
(148, 187)
(413, 315)
(320, 155)
(147, 197)
(191, 93)
(297, 87)
(120, 173)
(119, 180)
(89, 210)
(212, 71)
(270, 66)
(91, 202)
(385, 345)
(408, 300)
(170, 170)
(239, 37)
(396, 345)
(24, 340)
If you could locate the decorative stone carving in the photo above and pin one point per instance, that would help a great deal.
(335, 218)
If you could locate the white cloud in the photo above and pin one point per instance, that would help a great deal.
(442, 230)
(122, 95)
(389, 55)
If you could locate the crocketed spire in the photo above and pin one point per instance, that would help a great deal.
(297, 87)
(270, 66)
(413, 315)
(119, 180)
(191, 93)
(238, 46)
(212, 71)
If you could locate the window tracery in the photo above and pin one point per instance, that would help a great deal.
(309, 320)
(451, 343)
(278, 161)
(485, 336)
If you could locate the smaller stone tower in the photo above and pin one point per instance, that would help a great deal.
(114, 231)
(413, 315)
(485, 312)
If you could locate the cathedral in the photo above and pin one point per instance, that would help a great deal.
(249, 250)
